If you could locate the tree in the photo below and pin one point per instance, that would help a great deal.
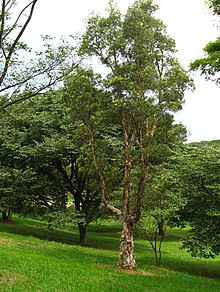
(40, 138)
(145, 82)
(28, 179)
(197, 168)
(84, 95)
(210, 64)
(162, 203)
(22, 77)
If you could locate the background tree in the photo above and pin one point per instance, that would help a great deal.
(25, 128)
(41, 137)
(161, 201)
(88, 102)
(197, 168)
(162, 205)
(145, 82)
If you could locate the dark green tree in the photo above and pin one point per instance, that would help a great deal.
(24, 129)
(40, 136)
(197, 168)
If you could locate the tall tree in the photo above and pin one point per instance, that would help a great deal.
(145, 82)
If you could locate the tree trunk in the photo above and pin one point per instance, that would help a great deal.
(126, 251)
(6, 215)
(9, 215)
(160, 231)
(160, 228)
(82, 232)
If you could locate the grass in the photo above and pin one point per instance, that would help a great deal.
(35, 259)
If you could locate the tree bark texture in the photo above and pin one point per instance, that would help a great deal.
(126, 251)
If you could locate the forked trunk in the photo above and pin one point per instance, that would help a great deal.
(126, 252)
(82, 232)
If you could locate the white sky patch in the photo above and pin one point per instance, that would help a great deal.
(188, 22)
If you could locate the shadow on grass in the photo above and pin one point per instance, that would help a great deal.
(180, 261)
(106, 238)
(197, 268)
(38, 232)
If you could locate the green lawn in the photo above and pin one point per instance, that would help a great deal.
(35, 259)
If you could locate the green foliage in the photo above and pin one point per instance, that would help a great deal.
(44, 136)
(69, 217)
(95, 125)
(197, 169)
(161, 204)
(30, 131)
(145, 82)
(209, 66)
(214, 5)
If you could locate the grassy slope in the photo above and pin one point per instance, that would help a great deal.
(39, 262)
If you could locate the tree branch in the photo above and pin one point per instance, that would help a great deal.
(2, 22)
(14, 44)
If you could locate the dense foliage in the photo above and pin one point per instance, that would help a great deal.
(197, 170)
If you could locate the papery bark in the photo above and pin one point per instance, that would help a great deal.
(126, 251)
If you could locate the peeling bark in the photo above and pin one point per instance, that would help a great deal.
(126, 251)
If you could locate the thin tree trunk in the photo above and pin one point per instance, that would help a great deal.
(161, 228)
(4, 215)
(82, 232)
(160, 231)
(126, 251)
(9, 214)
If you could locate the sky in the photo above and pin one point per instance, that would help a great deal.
(188, 22)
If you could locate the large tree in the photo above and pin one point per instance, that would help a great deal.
(44, 158)
(145, 82)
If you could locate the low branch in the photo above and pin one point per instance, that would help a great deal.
(109, 207)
